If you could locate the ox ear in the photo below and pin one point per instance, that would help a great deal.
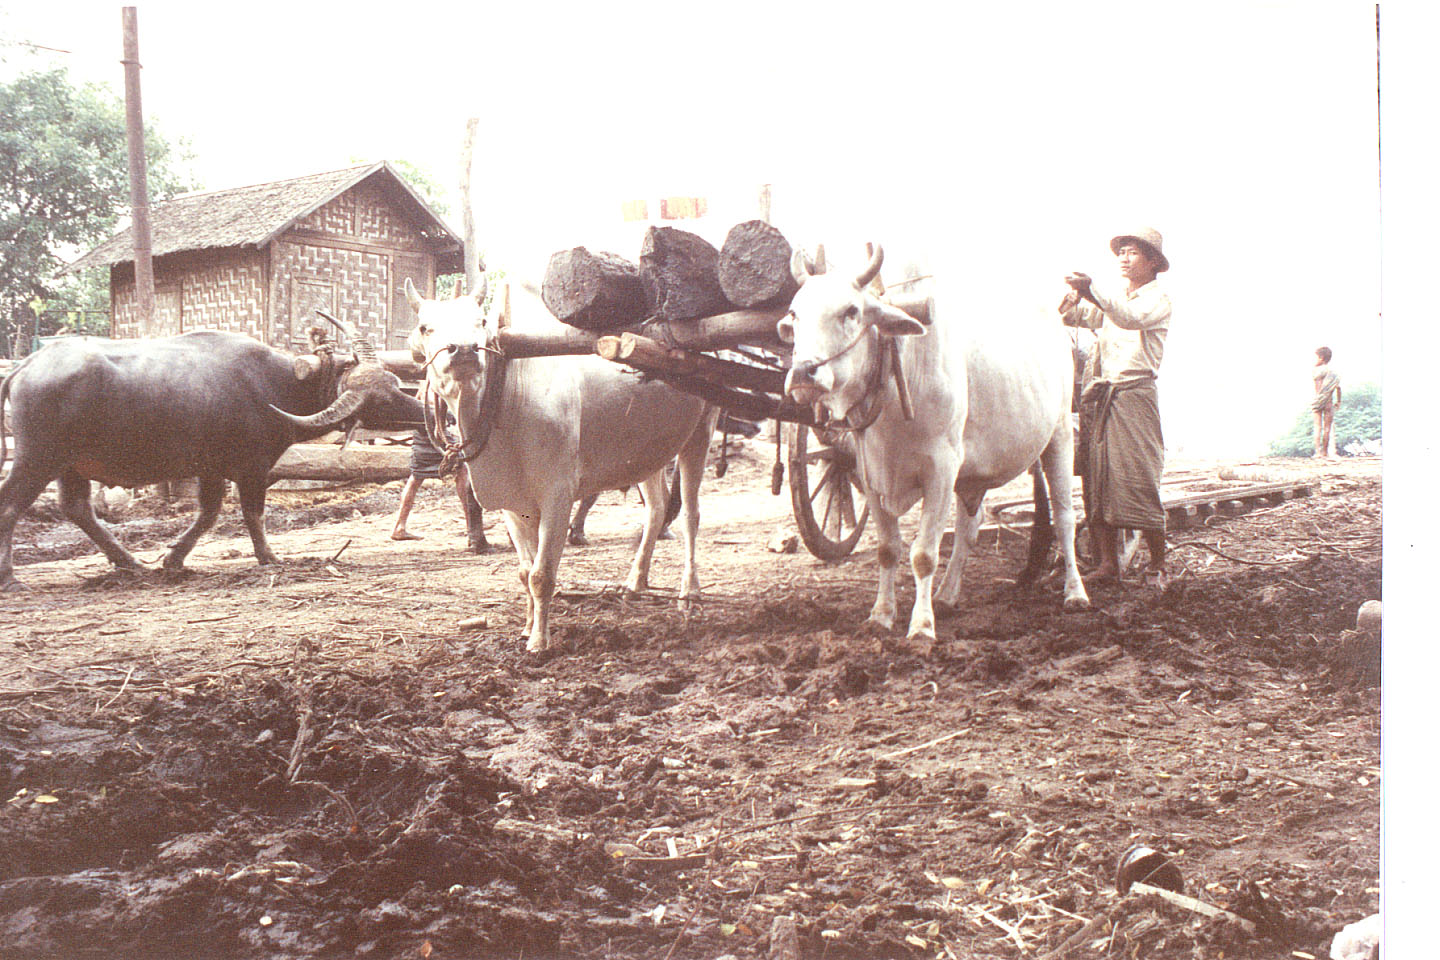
(785, 328)
(891, 321)
(412, 296)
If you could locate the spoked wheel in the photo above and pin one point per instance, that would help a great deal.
(825, 491)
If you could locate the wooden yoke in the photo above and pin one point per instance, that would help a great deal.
(652, 356)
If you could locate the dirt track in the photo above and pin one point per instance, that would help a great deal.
(317, 761)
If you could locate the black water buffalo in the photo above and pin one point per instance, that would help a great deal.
(214, 406)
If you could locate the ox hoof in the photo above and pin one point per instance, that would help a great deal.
(921, 634)
(883, 622)
(12, 586)
(578, 540)
(1077, 603)
(479, 549)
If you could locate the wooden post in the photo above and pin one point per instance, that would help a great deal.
(765, 202)
(139, 195)
(473, 267)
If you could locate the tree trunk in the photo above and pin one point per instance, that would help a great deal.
(596, 291)
(324, 461)
(754, 266)
(678, 270)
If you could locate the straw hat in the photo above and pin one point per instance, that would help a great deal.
(1150, 240)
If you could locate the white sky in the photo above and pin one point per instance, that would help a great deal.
(1006, 142)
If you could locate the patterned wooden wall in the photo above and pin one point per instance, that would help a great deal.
(356, 284)
(223, 290)
(366, 212)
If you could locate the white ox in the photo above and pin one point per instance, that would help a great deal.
(564, 428)
(988, 402)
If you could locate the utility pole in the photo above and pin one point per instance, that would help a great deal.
(139, 194)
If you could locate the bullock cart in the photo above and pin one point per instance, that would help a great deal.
(736, 361)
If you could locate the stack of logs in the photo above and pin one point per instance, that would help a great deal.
(683, 298)
(715, 299)
(680, 276)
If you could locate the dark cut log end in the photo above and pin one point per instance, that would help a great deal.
(677, 269)
(754, 266)
(594, 291)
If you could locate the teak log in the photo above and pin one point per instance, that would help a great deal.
(677, 270)
(400, 363)
(754, 266)
(324, 461)
(596, 291)
(649, 355)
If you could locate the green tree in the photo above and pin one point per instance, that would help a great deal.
(63, 185)
(1358, 419)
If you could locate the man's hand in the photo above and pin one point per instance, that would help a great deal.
(1069, 302)
(1080, 283)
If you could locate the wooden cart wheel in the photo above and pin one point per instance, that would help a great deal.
(824, 490)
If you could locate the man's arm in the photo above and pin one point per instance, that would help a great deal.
(1150, 309)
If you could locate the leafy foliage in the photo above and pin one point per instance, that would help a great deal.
(1358, 419)
(64, 183)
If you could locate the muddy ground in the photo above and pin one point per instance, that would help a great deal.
(319, 761)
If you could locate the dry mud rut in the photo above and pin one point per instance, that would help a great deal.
(319, 761)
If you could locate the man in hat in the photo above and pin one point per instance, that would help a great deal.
(1326, 402)
(1125, 451)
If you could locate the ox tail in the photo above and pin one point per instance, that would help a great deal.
(1042, 534)
(672, 502)
(5, 395)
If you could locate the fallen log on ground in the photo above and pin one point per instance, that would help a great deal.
(324, 461)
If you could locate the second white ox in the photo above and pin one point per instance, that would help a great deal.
(561, 428)
(988, 402)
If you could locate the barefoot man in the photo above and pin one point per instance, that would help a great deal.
(1126, 451)
(1326, 402)
(425, 465)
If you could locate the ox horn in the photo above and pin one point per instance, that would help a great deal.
(872, 269)
(364, 346)
(345, 406)
(802, 268)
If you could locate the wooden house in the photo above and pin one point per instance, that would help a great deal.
(260, 259)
